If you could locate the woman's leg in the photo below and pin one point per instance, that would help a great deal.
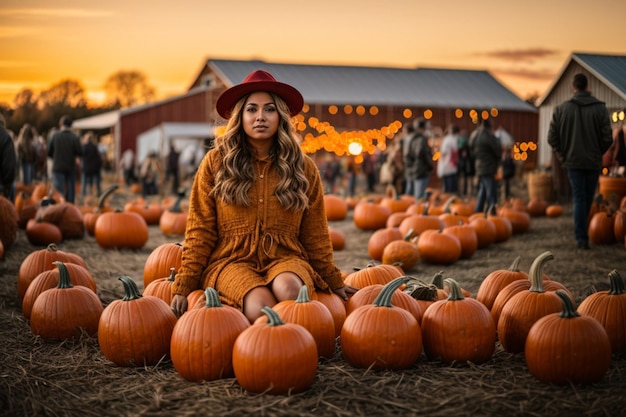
(255, 300)
(286, 286)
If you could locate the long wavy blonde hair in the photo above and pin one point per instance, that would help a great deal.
(236, 176)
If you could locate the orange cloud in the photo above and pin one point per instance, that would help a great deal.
(527, 55)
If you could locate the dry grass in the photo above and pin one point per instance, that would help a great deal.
(73, 378)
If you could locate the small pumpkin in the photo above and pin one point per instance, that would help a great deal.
(121, 230)
(65, 311)
(496, 280)
(336, 306)
(373, 274)
(203, 339)
(369, 215)
(466, 234)
(90, 218)
(161, 260)
(554, 210)
(261, 367)
(162, 287)
(381, 336)
(380, 239)
(66, 216)
(403, 253)
(438, 248)
(337, 238)
(566, 347)
(336, 207)
(42, 233)
(173, 221)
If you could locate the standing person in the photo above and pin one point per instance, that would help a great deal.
(150, 171)
(466, 164)
(41, 165)
(487, 156)
(579, 134)
(257, 229)
(92, 165)
(508, 166)
(172, 168)
(447, 166)
(409, 132)
(8, 161)
(127, 163)
(64, 148)
(27, 152)
(418, 159)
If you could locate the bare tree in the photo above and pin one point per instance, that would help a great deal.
(128, 88)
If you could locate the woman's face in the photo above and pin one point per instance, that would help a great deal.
(260, 117)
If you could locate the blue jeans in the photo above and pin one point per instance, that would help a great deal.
(583, 183)
(88, 182)
(450, 183)
(65, 183)
(419, 186)
(487, 193)
(28, 172)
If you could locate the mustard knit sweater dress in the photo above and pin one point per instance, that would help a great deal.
(235, 249)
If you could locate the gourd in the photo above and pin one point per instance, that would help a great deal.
(203, 338)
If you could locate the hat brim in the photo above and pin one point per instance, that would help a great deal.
(227, 100)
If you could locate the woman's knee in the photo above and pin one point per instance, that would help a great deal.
(255, 300)
(286, 286)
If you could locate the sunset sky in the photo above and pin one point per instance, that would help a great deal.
(524, 44)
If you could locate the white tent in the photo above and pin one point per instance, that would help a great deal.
(187, 138)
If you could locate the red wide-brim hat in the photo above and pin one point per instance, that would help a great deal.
(259, 81)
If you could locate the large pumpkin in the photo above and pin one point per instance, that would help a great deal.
(276, 357)
(8, 222)
(136, 330)
(567, 347)
(458, 329)
(609, 308)
(121, 230)
(203, 339)
(381, 336)
(161, 260)
(65, 311)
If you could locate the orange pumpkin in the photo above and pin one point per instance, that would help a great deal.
(90, 218)
(438, 248)
(373, 274)
(173, 221)
(381, 238)
(8, 222)
(369, 215)
(161, 260)
(337, 238)
(121, 230)
(493, 283)
(336, 207)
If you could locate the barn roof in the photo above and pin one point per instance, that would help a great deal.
(422, 87)
(610, 69)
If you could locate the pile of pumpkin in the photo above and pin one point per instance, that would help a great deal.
(47, 218)
(387, 324)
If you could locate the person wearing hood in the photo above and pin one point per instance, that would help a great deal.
(579, 134)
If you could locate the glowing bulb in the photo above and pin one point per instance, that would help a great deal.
(355, 148)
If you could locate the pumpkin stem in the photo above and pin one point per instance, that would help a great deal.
(455, 290)
(64, 275)
(273, 319)
(383, 299)
(515, 265)
(536, 271)
(448, 203)
(409, 235)
(438, 280)
(104, 195)
(212, 298)
(131, 292)
(52, 248)
(569, 310)
(617, 283)
(420, 290)
(303, 295)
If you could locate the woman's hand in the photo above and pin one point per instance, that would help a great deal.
(179, 305)
(345, 292)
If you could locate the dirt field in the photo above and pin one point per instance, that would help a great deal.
(73, 378)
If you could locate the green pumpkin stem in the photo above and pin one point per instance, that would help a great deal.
(383, 299)
(273, 319)
(536, 271)
(617, 283)
(64, 275)
(569, 310)
(455, 290)
(131, 292)
(303, 295)
(212, 298)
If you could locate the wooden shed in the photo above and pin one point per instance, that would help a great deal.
(607, 82)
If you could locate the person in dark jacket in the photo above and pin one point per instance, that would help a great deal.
(64, 149)
(579, 134)
(172, 168)
(485, 147)
(8, 161)
(92, 165)
(418, 159)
